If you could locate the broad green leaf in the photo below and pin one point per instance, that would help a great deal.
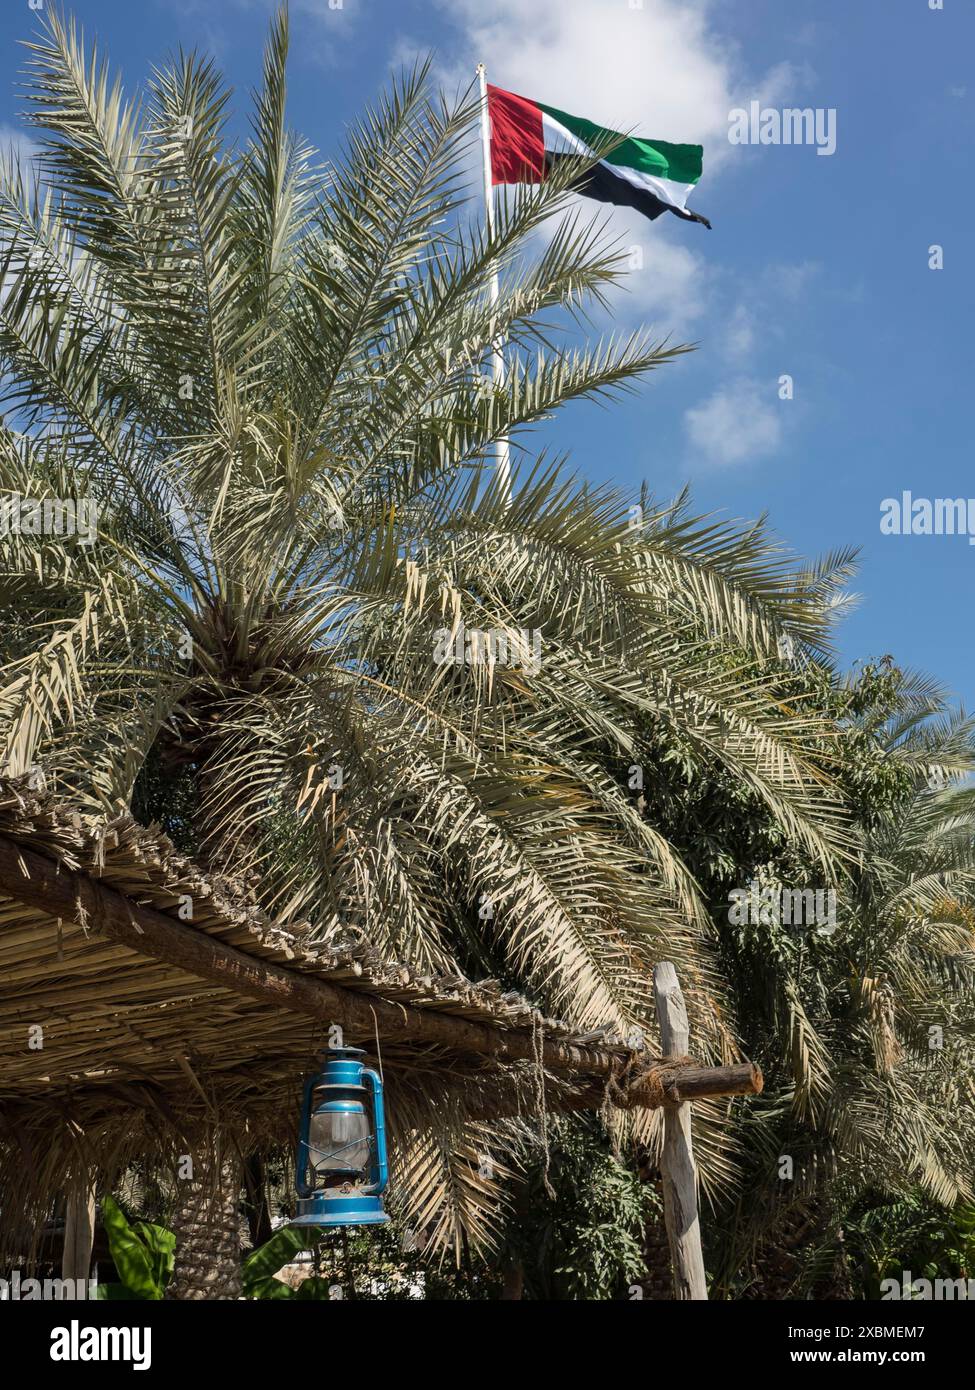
(314, 1288)
(282, 1247)
(269, 1288)
(161, 1245)
(135, 1262)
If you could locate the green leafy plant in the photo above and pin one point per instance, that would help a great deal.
(143, 1255)
(260, 1267)
(578, 1228)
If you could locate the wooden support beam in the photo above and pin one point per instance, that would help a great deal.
(670, 1085)
(679, 1082)
(42, 883)
(52, 888)
(677, 1159)
(79, 1233)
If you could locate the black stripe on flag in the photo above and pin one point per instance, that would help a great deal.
(601, 183)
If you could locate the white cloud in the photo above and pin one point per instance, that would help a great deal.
(790, 281)
(657, 69)
(761, 317)
(810, 33)
(741, 331)
(13, 138)
(662, 69)
(737, 424)
(335, 25)
(663, 282)
(671, 282)
(781, 83)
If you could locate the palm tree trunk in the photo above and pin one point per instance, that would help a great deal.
(207, 1225)
(658, 1281)
(514, 1280)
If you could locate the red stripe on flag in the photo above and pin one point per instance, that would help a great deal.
(517, 143)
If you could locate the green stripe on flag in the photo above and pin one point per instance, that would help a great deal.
(680, 163)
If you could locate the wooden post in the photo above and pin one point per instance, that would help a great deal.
(79, 1233)
(677, 1159)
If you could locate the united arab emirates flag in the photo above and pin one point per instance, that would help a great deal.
(528, 139)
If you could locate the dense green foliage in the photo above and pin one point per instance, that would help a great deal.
(578, 1227)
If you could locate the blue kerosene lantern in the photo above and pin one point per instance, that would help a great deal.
(341, 1163)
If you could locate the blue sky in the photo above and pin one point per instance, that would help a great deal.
(817, 267)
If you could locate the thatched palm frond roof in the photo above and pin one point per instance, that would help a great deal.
(108, 1011)
(140, 997)
(111, 1053)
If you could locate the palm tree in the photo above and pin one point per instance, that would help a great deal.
(267, 374)
(874, 1092)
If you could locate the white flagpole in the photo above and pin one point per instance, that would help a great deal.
(497, 348)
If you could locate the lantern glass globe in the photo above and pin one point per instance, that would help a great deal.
(338, 1141)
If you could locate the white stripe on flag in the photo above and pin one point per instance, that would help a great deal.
(558, 140)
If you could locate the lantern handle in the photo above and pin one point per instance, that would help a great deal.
(301, 1156)
(381, 1167)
